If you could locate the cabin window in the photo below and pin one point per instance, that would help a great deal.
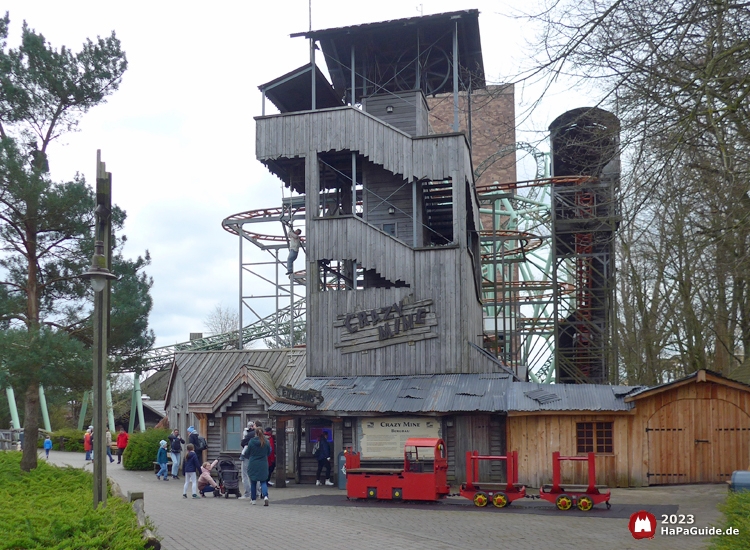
(594, 437)
(233, 431)
(390, 228)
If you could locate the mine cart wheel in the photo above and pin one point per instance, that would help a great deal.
(564, 502)
(500, 500)
(585, 504)
(481, 499)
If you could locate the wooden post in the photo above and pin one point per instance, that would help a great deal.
(280, 470)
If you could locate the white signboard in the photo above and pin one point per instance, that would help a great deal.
(385, 437)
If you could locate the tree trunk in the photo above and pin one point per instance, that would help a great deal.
(30, 428)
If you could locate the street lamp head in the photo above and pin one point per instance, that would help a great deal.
(98, 274)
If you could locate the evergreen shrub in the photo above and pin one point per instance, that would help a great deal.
(140, 453)
(52, 508)
(73, 440)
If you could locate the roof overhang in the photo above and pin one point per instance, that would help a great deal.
(292, 92)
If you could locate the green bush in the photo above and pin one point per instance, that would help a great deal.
(52, 507)
(736, 510)
(73, 440)
(140, 453)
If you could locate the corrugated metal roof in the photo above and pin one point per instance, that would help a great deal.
(443, 393)
(571, 397)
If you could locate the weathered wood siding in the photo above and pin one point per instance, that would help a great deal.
(348, 129)
(697, 433)
(437, 275)
(177, 405)
(409, 110)
(536, 437)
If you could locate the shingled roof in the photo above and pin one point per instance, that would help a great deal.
(214, 378)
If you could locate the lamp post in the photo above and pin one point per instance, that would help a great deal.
(100, 276)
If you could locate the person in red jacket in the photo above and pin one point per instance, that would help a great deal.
(88, 444)
(272, 456)
(122, 442)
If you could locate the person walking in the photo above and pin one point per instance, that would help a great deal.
(47, 446)
(189, 469)
(88, 445)
(176, 443)
(272, 456)
(247, 435)
(322, 452)
(122, 442)
(161, 459)
(108, 440)
(257, 451)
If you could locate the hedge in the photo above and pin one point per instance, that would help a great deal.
(73, 440)
(736, 510)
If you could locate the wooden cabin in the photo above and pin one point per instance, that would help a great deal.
(692, 430)
(218, 392)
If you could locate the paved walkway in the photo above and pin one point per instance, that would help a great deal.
(321, 518)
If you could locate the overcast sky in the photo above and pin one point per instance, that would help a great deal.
(179, 135)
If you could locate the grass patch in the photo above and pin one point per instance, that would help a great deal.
(736, 510)
(52, 507)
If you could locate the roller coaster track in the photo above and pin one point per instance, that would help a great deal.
(159, 358)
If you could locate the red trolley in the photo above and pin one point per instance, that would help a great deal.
(499, 494)
(566, 499)
(423, 477)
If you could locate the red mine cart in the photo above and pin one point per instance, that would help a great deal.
(566, 499)
(423, 476)
(481, 492)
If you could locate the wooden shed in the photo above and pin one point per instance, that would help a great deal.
(692, 430)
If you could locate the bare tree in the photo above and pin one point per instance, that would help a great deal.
(677, 74)
(222, 320)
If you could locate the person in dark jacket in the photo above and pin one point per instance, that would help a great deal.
(175, 446)
(189, 469)
(323, 454)
(258, 451)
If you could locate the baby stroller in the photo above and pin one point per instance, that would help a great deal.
(229, 476)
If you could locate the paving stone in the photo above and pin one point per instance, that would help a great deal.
(321, 518)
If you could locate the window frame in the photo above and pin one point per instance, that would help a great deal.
(238, 416)
(596, 437)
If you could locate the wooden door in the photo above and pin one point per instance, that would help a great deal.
(697, 441)
(730, 440)
(669, 446)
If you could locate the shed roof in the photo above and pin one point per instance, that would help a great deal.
(702, 375)
(292, 92)
(444, 393)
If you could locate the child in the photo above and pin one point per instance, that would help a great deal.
(205, 480)
(191, 465)
(47, 446)
(161, 458)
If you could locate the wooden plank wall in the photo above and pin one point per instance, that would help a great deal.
(437, 275)
(706, 411)
(409, 110)
(536, 437)
(348, 129)
(399, 194)
(350, 238)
